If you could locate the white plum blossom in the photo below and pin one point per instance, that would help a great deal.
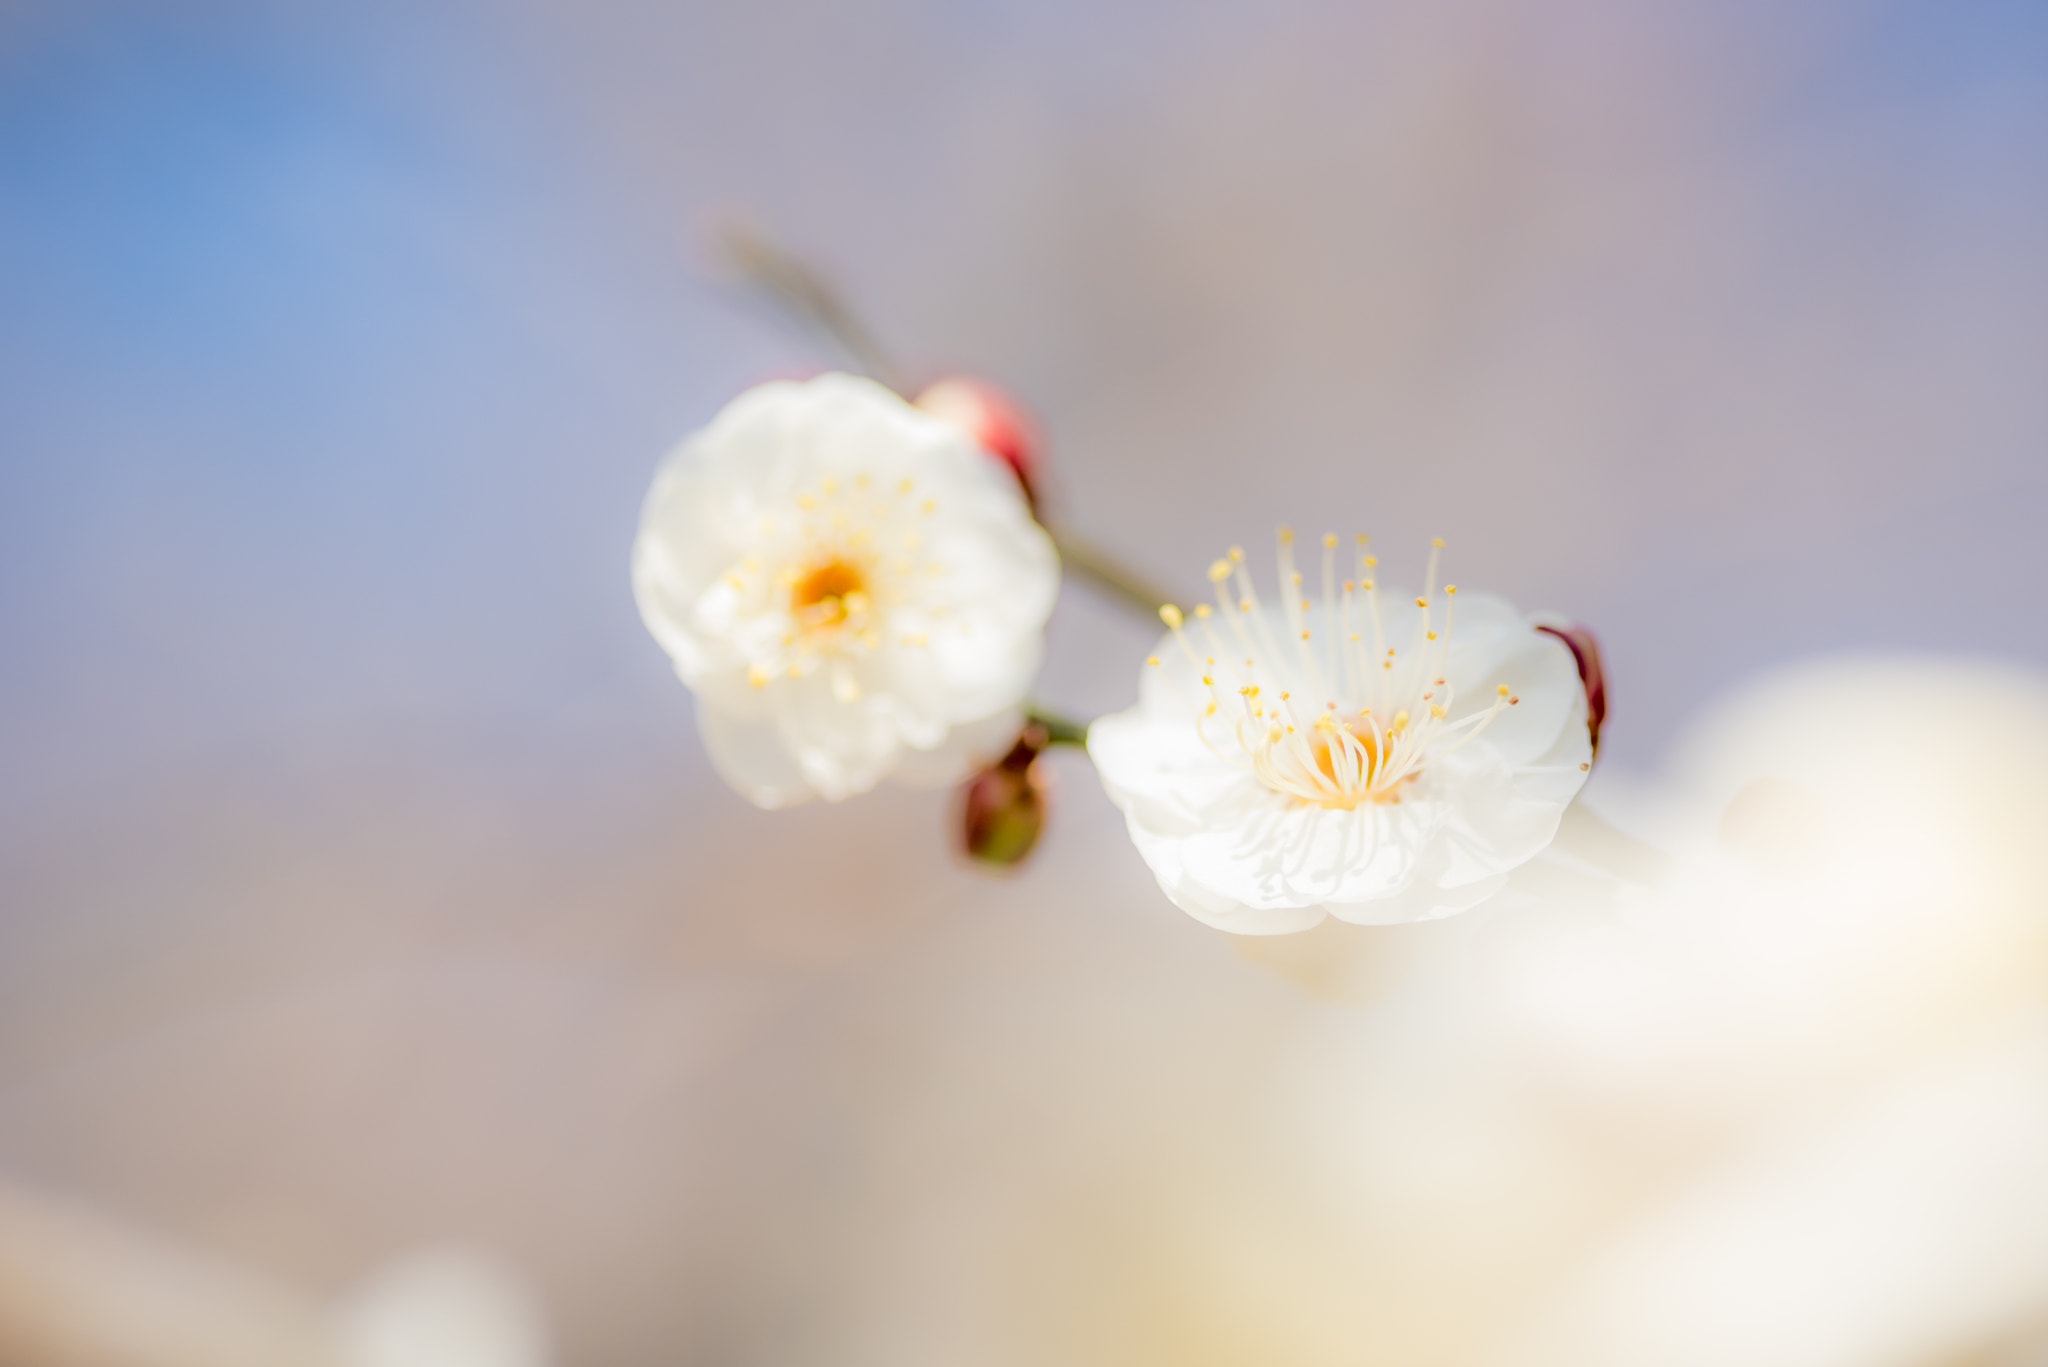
(851, 587)
(1372, 754)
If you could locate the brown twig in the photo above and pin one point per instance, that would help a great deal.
(805, 297)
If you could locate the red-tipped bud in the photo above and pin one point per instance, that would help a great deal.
(1002, 808)
(1585, 648)
(994, 420)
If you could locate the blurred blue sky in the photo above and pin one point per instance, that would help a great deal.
(327, 401)
(338, 345)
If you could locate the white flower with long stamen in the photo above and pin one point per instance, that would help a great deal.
(1374, 755)
(851, 586)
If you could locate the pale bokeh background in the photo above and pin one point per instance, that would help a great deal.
(362, 881)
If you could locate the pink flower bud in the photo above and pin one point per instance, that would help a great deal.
(1585, 648)
(994, 420)
(1002, 808)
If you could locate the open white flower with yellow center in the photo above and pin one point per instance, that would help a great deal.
(1374, 755)
(852, 588)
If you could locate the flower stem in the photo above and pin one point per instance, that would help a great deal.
(1134, 592)
(1059, 730)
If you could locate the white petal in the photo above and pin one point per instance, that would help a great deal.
(965, 749)
(1161, 854)
(749, 753)
(1158, 770)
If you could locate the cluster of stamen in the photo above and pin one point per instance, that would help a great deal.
(1320, 705)
(843, 566)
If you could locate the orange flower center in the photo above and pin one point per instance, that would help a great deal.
(826, 595)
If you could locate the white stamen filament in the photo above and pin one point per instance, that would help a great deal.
(1380, 725)
(837, 582)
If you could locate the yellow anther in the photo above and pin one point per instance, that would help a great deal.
(1244, 605)
(1370, 561)
(1208, 682)
(1354, 635)
(1400, 721)
(1422, 602)
(1236, 555)
(1431, 635)
(1304, 602)
(1304, 636)
(1363, 538)
(1502, 690)
(757, 676)
(1329, 540)
(1296, 581)
(905, 485)
(1349, 586)
(930, 504)
(1170, 615)
(1583, 766)
(1286, 536)
(1244, 690)
(1151, 659)
(1210, 710)
(1436, 541)
(1450, 589)
(1436, 709)
(1201, 609)
(1219, 571)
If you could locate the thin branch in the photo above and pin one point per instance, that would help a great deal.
(1059, 730)
(1133, 591)
(805, 298)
